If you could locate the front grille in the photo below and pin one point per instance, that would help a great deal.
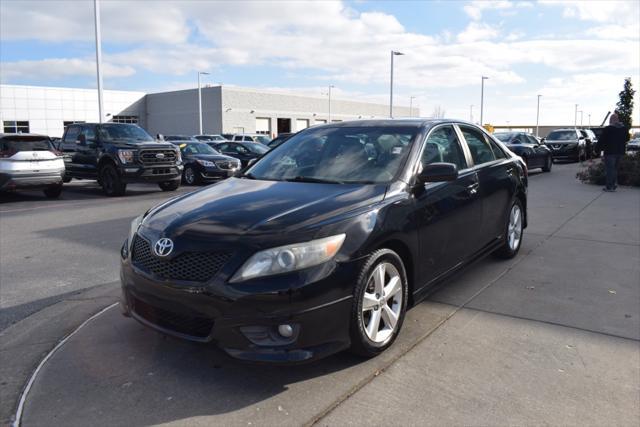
(194, 326)
(191, 266)
(151, 157)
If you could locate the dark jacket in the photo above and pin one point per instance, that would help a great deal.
(613, 139)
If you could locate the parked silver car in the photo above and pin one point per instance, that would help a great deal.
(29, 162)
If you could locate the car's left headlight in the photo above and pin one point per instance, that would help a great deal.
(288, 258)
(133, 229)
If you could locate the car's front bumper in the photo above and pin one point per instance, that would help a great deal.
(137, 173)
(244, 323)
(565, 153)
(214, 174)
(15, 180)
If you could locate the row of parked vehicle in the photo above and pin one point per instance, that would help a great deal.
(117, 154)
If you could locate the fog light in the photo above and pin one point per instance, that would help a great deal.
(285, 330)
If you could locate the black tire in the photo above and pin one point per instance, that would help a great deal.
(190, 176)
(66, 179)
(361, 344)
(548, 163)
(506, 251)
(53, 191)
(111, 182)
(169, 185)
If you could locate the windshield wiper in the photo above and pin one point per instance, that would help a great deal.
(310, 179)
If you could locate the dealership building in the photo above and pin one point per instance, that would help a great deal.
(47, 110)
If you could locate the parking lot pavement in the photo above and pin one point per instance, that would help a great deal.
(548, 337)
(51, 249)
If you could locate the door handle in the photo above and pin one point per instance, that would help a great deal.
(510, 171)
(473, 188)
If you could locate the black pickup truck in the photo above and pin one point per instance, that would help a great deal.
(116, 154)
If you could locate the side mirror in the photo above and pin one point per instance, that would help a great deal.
(251, 162)
(543, 140)
(438, 172)
(82, 139)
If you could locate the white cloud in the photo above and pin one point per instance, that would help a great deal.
(618, 11)
(477, 31)
(58, 68)
(475, 8)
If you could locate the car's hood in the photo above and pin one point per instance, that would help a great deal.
(211, 157)
(561, 141)
(239, 206)
(142, 145)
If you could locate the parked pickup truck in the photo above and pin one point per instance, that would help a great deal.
(116, 154)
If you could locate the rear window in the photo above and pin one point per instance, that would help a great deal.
(562, 135)
(15, 144)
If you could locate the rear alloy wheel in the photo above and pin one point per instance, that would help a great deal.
(111, 182)
(513, 235)
(53, 191)
(169, 185)
(190, 176)
(548, 163)
(380, 303)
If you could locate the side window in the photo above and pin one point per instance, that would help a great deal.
(532, 140)
(223, 147)
(72, 134)
(480, 150)
(240, 149)
(237, 138)
(497, 151)
(443, 146)
(89, 133)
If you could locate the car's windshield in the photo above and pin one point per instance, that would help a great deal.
(504, 136)
(256, 148)
(262, 139)
(113, 131)
(562, 135)
(197, 148)
(339, 154)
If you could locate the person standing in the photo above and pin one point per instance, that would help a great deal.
(613, 143)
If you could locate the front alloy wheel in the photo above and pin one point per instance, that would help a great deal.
(380, 303)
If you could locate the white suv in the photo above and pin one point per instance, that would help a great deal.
(30, 162)
(251, 137)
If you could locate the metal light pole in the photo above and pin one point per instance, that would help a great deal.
(589, 119)
(538, 116)
(411, 98)
(200, 102)
(575, 118)
(330, 87)
(393, 53)
(482, 100)
(96, 16)
(471, 113)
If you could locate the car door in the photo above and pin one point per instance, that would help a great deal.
(448, 214)
(496, 174)
(69, 147)
(540, 152)
(88, 151)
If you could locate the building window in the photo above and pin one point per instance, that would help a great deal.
(12, 126)
(125, 119)
(71, 122)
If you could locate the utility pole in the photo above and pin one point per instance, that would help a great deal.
(482, 100)
(330, 87)
(96, 16)
(200, 103)
(575, 118)
(411, 105)
(393, 53)
(471, 113)
(538, 116)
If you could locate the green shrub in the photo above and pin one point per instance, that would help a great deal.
(628, 172)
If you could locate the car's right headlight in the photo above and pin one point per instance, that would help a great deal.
(288, 258)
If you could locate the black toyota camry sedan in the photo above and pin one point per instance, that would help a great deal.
(325, 242)
(534, 153)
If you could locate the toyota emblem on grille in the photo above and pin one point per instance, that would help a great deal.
(163, 247)
(160, 156)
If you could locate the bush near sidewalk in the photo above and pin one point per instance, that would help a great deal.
(628, 173)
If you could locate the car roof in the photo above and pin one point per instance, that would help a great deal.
(408, 122)
(564, 129)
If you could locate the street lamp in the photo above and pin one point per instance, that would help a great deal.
(200, 102)
(411, 98)
(575, 118)
(471, 113)
(589, 119)
(482, 99)
(538, 116)
(96, 17)
(393, 53)
(581, 116)
(330, 87)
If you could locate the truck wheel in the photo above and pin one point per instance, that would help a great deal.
(169, 185)
(53, 191)
(111, 182)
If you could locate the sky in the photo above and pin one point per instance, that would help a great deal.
(569, 52)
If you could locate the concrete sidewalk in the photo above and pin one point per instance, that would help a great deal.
(549, 337)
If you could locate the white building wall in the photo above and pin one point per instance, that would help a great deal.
(46, 108)
(177, 112)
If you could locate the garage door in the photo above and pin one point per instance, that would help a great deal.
(302, 124)
(263, 125)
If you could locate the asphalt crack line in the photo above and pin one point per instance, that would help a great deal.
(315, 420)
(25, 393)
